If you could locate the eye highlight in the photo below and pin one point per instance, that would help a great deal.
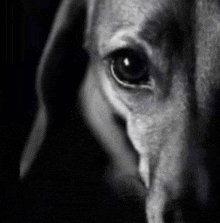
(129, 68)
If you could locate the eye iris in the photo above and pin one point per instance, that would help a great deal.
(129, 68)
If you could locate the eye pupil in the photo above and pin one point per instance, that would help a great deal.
(129, 67)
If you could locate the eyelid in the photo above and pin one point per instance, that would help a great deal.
(122, 41)
(118, 51)
(112, 49)
(136, 50)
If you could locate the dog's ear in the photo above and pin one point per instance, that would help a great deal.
(64, 61)
(60, 71)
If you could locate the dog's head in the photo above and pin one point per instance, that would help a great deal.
(151, 95)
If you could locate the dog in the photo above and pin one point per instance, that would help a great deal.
(151, 96)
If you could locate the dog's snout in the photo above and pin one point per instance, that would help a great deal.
(182, 199)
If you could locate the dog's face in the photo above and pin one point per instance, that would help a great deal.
(151, 96)
(154, 65)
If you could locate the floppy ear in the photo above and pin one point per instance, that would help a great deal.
(60, 71)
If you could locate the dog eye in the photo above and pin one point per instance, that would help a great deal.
(129, 67)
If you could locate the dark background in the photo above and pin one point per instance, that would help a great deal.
(66, 182)
(27, 26)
